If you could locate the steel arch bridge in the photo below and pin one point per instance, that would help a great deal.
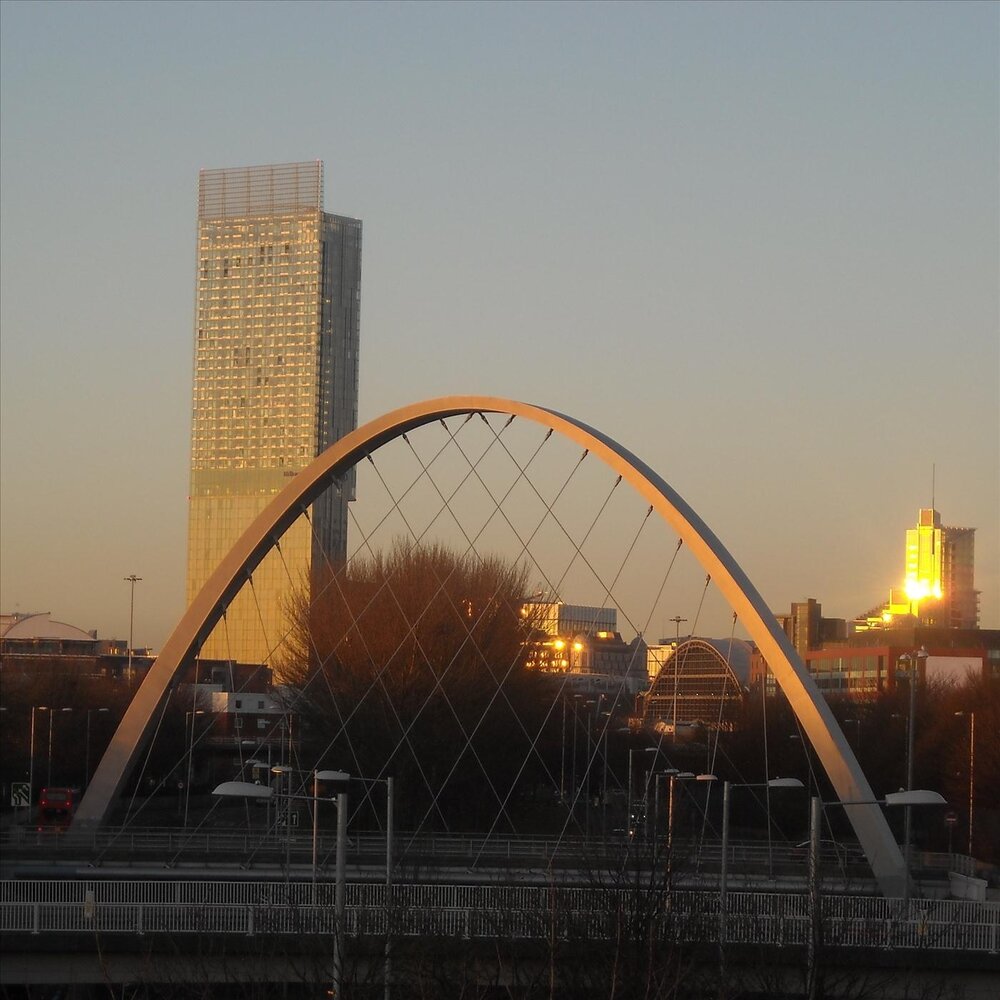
(266, 530)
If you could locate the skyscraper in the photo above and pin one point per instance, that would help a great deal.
(939, 573)
(939, 587)
(275, 382)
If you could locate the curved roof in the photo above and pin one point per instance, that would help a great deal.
(40, 626)
(732, 655)
(736, 652)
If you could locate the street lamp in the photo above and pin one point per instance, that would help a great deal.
(972, 770)
(90, 711)
(631, 754)
(246, 789)
(389, 797)
(573, 788)
(606, 716)
(48, 776)
(279, 770)
(190, 756)
(673, 776)
(31, 761)
(250, 790)
(653, 823)
(908, 798)
(677, 645)
(914, 663)
(133, 580)
(727, 788)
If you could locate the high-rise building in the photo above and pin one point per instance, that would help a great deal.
(938, 580)
(806, 627)
(275, 382)
(939, 573)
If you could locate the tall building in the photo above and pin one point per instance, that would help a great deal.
(938, 580)
(806, 627)
(582, 643)
(939, 573)
(275, 382)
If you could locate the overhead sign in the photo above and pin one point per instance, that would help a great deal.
(20, 794)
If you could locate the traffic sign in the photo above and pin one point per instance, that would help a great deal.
(20, 794)
(951, 817)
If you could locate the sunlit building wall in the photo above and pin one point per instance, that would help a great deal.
(275, 382)
(703, 682)
(939, 573)
(557, 618)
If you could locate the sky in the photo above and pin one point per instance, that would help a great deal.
(757, 244)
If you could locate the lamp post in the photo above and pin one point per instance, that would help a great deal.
(972, 770)
(48, 775)
(572, 783)
(652, 824)
(907, 799)
(727, 788)
(606, 716)
(631, 755)
(389, 799)
(279, 770)
(589, 758)
(133, 580)
(248, 790)
(562, 760)
(677, 645)
(674, 778)
(190, 756)
(912, 663)
(90, 711)
(31, 759)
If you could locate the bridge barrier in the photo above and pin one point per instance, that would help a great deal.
(40, 907)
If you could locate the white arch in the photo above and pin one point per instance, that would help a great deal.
(208, 607)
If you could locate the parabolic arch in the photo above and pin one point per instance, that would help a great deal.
(210, 604)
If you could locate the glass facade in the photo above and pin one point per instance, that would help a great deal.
(940, 571)
(275, 382)
(699, 683)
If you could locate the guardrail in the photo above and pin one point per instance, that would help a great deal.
(51, 907)
(165, 842)
(421, 855)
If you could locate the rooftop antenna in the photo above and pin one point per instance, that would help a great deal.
(933, 478)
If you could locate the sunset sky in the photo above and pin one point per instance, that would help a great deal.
(757, 244)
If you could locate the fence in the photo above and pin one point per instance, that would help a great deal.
(40, 907)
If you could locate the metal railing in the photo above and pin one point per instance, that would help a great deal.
(166, 842)
(43, 907)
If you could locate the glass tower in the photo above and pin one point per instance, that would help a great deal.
(275, 382)
(940, 573)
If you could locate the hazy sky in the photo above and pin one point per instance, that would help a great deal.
(756, 244)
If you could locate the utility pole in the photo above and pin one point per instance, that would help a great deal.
(133, 580)
(677, 645)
